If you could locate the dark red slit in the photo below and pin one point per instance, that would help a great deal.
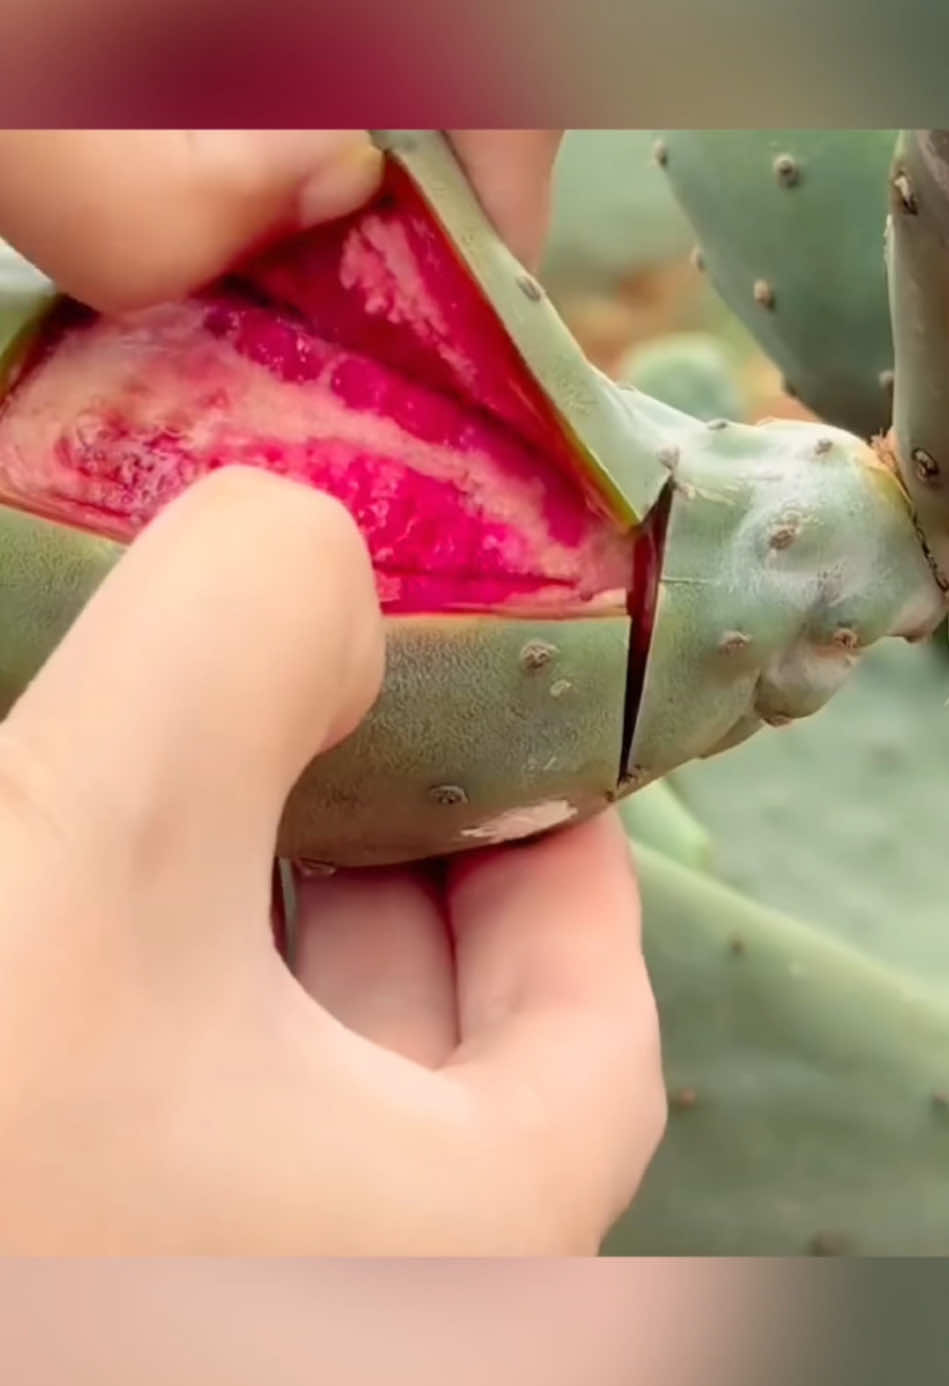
(641, 603)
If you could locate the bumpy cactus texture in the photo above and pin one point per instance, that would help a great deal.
(790, 226)
(693, 371)
(585, 587)
(809, 1087)
(589, 585)
(787, 554)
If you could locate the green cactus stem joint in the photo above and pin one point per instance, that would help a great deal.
(583, 587)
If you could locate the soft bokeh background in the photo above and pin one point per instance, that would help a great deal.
(604, 62)
(580, 1323)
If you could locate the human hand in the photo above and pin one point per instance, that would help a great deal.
(121, 219)
(463, 1065)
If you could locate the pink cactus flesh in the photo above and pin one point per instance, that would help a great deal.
(360, 359)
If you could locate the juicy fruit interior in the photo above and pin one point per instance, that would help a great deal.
(360, 359)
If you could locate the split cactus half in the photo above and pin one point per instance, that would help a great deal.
(583, 588)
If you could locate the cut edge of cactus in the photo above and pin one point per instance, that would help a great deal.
(589, 409)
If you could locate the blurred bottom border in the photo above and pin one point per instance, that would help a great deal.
(469, 1323)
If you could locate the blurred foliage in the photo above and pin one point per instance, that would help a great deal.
(613, 212)
(619, 265)
(696, 372)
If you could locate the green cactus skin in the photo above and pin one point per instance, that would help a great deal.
(49, 572)
(790, 225)
(748, 630)
(785, 551)
(809, 1088)
(461, 699)
(26, 297)
(918, 275)
(692, 371)
(473, 742)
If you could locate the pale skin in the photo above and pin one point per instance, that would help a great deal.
(463, 1064)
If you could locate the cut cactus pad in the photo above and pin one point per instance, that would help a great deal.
(361, 360)
(583, 587)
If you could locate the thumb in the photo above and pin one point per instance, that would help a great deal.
(237, 637)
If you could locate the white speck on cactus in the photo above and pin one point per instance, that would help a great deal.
(522, 822)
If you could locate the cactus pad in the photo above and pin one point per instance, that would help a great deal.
(871, 861)
(790, 227)
(808, 1088)
(583, 587)
(918, 265)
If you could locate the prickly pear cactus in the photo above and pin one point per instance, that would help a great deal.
(841, 819)
(790, 227)
(809, 1087)
(795, 1127)
(584, 588)
(693, 371)
(918, 273)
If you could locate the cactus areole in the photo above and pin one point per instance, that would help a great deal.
(583, 587)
